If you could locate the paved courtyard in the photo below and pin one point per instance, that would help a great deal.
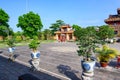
(58, 61)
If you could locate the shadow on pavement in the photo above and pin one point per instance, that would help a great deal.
(66, 70)
(16, 55)
(111, 64)
(1, 51)
(12, 70)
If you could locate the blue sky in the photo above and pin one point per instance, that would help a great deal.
(80, 12)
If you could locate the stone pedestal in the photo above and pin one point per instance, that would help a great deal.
(87, 76)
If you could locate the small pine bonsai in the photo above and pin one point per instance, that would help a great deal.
(34, 45)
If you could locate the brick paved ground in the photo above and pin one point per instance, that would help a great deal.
(12, 70)
(58, 58)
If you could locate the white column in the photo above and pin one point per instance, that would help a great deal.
(67, 36)
(56, 36)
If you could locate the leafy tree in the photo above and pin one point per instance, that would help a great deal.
(76, 30)
(76, 27)
(105, 32)
(4, 18)
(18, 33)
(30, 23)
(18, 36)
(41, 35)
(4, 27)
(55, 26)
(47, 34)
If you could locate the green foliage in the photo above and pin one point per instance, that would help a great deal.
(87, 40)
(34, 44)
(35, 37)
(41, 35)
(47, 34)
(76, 30)
(76, 27)
(105, 32)
(10, 42)
(4, 18)
(18, 38)
(55, 26)
(27, 38)
(105, 54)
(4, 27)
(18, 33)
(30, 23)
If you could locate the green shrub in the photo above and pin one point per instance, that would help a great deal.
(11, 42)
(34, 44)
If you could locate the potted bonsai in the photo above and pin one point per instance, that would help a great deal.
(87, 44)
(11, 48)
(87, 40)
(34, 45)
(105, 54)
(35, 54)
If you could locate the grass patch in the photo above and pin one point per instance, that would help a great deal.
(47, 41)
(3, 44)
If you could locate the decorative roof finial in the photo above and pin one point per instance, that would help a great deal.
(118, 10)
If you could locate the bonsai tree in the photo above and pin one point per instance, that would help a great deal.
(87, 42)
(11, 49)
(35, 54)
(34, 45)
(105, 54)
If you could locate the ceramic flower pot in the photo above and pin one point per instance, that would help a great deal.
(35, 54)
(103, 64)
(11, 49)
(88, 66)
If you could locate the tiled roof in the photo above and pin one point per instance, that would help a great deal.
(65, 26)
(113, 18)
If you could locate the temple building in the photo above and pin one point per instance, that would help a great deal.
(65, 33)
(114, 22)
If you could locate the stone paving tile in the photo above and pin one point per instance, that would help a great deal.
(59, 61)
(12, 70)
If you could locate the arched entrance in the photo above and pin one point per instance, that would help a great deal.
(62, 38)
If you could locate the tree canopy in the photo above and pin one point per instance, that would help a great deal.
(4, 27)
(76, 29)
(105, 32)
(47, 34)
(55, 26)
(4, 18)
(30, 23)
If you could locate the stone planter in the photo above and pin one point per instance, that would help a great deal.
(11, 53)
(88, 70)
(35, 60)
(11, 49)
